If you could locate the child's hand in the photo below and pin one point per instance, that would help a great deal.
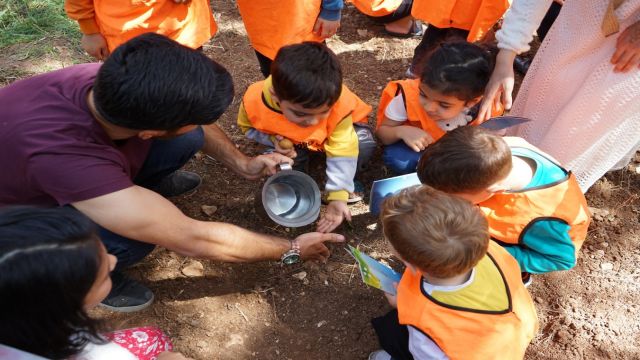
(415, 138)
(325, 28)
(95, 45)
(393, 299)
(336, 212)
(284, 146)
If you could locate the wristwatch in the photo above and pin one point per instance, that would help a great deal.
(292, 255)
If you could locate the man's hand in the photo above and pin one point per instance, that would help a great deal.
(264, 165)
(336, 212)
(325, 28)
(415, 138)
(289, 152)
(627, 55)
(95, 45)
(500, 86)
(312, 245)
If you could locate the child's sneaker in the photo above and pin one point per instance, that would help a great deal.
(379, 355)
(527, 279)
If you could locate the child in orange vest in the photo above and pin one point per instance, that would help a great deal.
(534, 207)
(271, 25)
(453, 19)
(460, 296)
(394, 14)
(413, 114)
(107, 24)
(304, 104)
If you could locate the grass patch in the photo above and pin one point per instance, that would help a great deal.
(27, 21)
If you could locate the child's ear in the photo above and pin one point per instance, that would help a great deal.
(473, 102)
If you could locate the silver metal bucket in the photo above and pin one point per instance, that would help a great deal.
(291, 198)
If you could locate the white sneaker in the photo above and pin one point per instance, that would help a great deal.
(379, 355)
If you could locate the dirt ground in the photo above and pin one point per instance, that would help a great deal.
(265, 311)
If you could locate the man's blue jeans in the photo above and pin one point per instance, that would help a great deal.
(400, 158)
(165, 157)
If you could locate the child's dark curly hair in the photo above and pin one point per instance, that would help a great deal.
(459, 68)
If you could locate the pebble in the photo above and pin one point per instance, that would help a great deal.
(300, 276)
(321, 323)
(209, 210)
(606, 266)
(193, 269)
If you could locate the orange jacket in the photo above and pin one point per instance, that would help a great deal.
(190, 24)
(273, 24)
(463, 333)
(376, 8)
(477, 16)
(415, 112)
(271, 121)
(509, 213)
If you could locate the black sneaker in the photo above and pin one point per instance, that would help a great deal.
(178, 183)
(527, 279)
(127, 295)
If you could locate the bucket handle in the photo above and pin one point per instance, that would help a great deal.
(283, 166)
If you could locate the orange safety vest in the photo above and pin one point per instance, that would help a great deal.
(477, 16)
(190, 24)
(463, 333)
(271, 121)
(271, 25)
(511, 212)
(376, 8)
(416, 116)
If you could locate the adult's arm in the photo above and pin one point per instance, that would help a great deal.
(520, 22)
(218, 145)
(141, 214)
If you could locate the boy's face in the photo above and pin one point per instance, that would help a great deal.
(441, 107)
(302, 116)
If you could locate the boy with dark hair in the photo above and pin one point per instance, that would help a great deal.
(109, 140)
(534, 207)
(460, 296)
(304, 103)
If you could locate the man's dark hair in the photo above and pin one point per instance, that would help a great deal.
(308, 74)
(466, 159)
(459, 69)
(49, 260)
(153, 83)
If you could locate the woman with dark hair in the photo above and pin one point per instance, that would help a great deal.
(54, 268)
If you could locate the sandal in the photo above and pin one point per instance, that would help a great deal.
(415, 31)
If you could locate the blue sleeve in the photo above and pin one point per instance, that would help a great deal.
(331, 9)
(545, 246)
